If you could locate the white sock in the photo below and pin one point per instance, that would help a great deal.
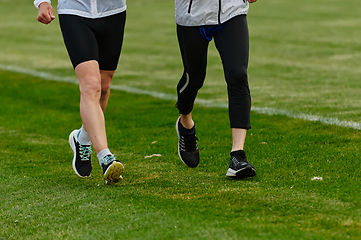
(102, 154)
(83, 137)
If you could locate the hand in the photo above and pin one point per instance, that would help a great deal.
(45, 13)
(252, 1)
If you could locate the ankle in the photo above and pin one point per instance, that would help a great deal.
(103, 153)
(187, 122)
(83, 137)
(237, 152)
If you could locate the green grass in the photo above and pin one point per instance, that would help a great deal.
(160, 198)
(304, 58)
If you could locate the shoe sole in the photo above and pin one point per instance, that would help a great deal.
(72, 145)
(248, 171)
(114, 173)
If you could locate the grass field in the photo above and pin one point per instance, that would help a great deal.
(304, 60)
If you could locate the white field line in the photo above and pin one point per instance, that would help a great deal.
(202, 102)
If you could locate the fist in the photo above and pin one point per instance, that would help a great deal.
(45, 13)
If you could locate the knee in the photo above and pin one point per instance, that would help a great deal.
(105, 88)
(196, 79)
(106, 79)
(90, 87)
(190, 82)
(237, 77)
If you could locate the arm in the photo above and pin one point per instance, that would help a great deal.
(46, 12)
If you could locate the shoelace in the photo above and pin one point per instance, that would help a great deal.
(188, 143)
(85, 152)
(108, 159)
(235, 160)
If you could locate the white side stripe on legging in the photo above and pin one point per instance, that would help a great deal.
(185, 85)
(202, 102)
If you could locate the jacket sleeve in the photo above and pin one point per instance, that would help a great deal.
(38, 2)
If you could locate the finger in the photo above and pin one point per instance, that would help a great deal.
(44, 18)
(51, 12)
(48, 17)
(40, 19)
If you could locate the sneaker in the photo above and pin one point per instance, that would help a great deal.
(187, 146)
(82, 164)
(112, 169)
(239, 166)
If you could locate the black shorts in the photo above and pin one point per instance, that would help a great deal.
(97, 39)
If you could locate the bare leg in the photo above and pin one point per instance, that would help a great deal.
(238, 138)
(238, 134)
(90, 108)
(106, 80)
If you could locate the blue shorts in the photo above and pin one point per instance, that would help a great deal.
(208, 31)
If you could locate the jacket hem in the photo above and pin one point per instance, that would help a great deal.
(89, 15)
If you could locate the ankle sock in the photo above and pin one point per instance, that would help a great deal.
(83, 137)
(102, 154)
(184, 130)
(238, 153)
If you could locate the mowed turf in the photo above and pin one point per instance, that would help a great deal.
(160, 198)
(304, 58)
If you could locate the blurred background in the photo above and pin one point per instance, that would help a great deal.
(304, 55)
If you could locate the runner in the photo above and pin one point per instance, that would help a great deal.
(225, 21)
(93, 35)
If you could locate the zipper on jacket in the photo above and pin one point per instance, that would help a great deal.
(190, 6)
(219, 12)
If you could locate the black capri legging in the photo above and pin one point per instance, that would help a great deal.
(232, 43)
(99, 39)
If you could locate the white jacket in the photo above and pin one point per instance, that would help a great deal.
(208, 12)
(88, 8)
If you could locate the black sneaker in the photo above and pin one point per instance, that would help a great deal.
(82, 163)
(112, 169)
(187, 146)
(239, 166)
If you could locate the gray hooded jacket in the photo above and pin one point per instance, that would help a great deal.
(208, 12)
(88, 8)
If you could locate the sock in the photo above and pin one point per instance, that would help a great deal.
(102, 154)
(240, 153)
(83, 137)
(186, 131)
